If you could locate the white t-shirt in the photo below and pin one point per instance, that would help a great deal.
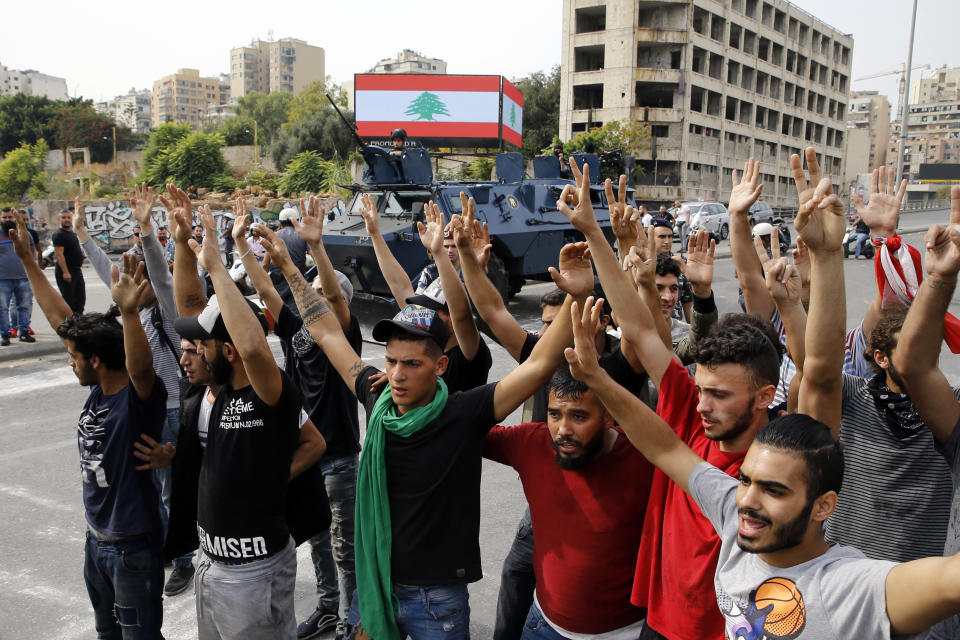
(836, 596)
(646, 219)
(683, 215)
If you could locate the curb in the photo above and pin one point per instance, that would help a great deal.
(44, 346)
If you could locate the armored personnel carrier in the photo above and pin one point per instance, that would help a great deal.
(526, 229)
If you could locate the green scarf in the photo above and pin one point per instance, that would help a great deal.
(373, 535)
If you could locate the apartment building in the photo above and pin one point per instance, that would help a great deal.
(409, 61)
(868, 132)
(31, 83)
(943, 85)
(718, 81)
(183, 97)
(286, 65)
(131, 110)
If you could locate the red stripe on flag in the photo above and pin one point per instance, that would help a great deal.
(430, 129)
(512, 92)
(418, 82)
(512, 136)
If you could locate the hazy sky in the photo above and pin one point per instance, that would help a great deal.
(109, 46)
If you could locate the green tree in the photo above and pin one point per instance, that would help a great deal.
(26, 120)
(22, 171)
(426, 105)
(321, 131)
(156, 157)
(313, 98)
(80, 125)
(196, 160)
(269, 111)
(306, 172)
(541, 109)
(235, 131)
(630, 136)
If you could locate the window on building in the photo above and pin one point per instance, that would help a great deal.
(588, 58)
(588, 96)
(591, 19)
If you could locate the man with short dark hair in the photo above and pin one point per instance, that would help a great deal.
(123, 563)
(69, 260)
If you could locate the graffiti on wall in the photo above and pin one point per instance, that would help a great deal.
(114, 219)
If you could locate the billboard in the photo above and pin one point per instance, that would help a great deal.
(438, 110)
(940, 172)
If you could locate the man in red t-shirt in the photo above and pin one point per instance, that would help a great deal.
(587, 487)
(716, 414)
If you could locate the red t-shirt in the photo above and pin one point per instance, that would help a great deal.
(679, 549)
(587, 525)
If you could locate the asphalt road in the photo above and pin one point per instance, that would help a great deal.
(42, 594)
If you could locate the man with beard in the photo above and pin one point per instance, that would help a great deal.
(14, 285)
(717, 414)
(587, 487)
(69, 260)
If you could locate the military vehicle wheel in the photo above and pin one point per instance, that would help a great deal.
(516, 284)
(497, 272)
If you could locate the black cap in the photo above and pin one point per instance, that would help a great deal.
(209, 324)
(413, 320)
(431, 298)
(659, 221)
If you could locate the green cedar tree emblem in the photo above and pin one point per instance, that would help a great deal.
(426, 105)
(513, 115)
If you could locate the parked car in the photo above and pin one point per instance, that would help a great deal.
(760, 211)
(711, 216)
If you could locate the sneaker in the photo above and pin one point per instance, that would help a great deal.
(13, 333)
(27, 338)
(319, 622)
(179, 580)
(5, 340)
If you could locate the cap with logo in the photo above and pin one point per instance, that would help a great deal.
(413, 320)
(431, 298)
(210, 324)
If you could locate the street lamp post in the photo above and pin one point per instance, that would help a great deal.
(906, 100)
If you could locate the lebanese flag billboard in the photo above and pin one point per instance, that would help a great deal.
(435, 108)
(512, 114)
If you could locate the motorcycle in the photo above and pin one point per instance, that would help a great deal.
(850, 244)
(47, 257)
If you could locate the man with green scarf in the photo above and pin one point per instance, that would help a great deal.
(418, 488)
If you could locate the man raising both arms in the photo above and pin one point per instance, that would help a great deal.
(418, 488)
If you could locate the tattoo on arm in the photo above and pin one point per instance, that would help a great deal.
(357, 367)
(195, 300)
(937, 283)
(312, 306)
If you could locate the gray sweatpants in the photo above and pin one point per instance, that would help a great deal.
(252, 601)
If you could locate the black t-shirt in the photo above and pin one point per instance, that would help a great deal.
(463, 374)
(71, 247)
(327, 399)
(241, 514)
(433, 479)
(613, 363)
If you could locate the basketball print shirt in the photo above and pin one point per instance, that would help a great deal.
(838, 595)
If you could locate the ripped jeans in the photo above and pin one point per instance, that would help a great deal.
(425, 613)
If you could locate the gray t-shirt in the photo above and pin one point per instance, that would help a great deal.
(949, 629)
(839, 595)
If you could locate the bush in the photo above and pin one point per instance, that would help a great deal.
(103, 190)
(156, 170)
(261, 178)
(224, 184)
(196, 160)
(306, 172)
(22, 171)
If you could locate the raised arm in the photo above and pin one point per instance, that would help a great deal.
(785, 287)
(310, 228)
(458, 305)
(261, 281)
(54, 307)
(821, 223)
(160, 278)
(97, 256)
(484, 295)
(921, 337)
(744, 193)
(188, 289)
(646, 430)
(245, 331)
(632, 314)
(397, 279)
(624, 220)
(641, 265)
(318, 320)
(126, 289)
(575, 276)
(921, 593)
(700, 274)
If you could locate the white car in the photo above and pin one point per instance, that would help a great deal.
(711, 216)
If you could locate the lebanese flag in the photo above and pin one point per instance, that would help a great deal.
(427, 106)
(512, 114)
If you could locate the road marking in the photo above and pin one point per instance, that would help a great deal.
(17, 491)
(32, 382)
(43, 448)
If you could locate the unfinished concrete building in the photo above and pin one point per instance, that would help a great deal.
(718, 81)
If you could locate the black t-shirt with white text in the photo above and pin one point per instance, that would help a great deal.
(433, 480)
(241, 513)
(463, 374)
(326, 398)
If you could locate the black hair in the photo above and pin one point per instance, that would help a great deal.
(431, 348)
(6, 209)
(812, 441)
(744, 339)
(96, 334)
(553, 298)
(563, 384)
(666, 266)
(884, 335)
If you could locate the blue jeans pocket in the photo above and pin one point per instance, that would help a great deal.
(136, 561)
(445, 603)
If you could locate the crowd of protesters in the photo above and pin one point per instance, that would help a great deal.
(765, 474)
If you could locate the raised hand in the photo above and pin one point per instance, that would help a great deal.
(782, 278)
(699, 269)
(801, 260)
(154, 454)
(624, 219)
(208, 254)
(480, 243)
(142, 202)
(179, 214)
(574, 273)
(943, 243)
(79, 223)
(431, 234)
(368, 211)
(821, 221)
(479, 235)
(21, 241)
(574, 202)
(241, 221)
(642, 267)
(310, 225)
(745, 190)
(127, 287)
(275, 247)
(805, 190)
(880, 214)
(582, 358)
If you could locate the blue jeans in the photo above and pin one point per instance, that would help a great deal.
(861, 239)
(163, 479)
(332, 550)
(19, 292)
(425, 613)
(124, 579)
(537, 627)
(517, 582)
